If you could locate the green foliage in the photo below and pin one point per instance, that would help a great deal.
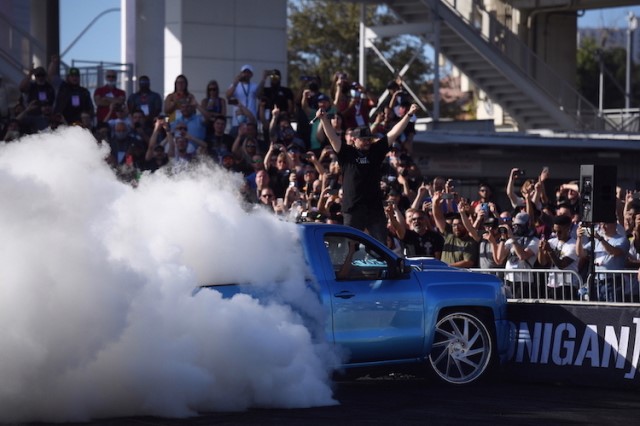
(615, 62)
(324, 39)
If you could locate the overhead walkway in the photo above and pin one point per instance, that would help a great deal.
(498, 63)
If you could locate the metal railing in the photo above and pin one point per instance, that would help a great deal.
(498, 36)
(613, 286)
(92, 74)
(19, 48)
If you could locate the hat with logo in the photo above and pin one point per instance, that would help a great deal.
(246, 67)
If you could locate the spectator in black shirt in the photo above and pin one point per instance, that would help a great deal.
(419, 240)
(361, 167)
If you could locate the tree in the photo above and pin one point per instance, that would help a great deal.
(324, 38)
(615, 65)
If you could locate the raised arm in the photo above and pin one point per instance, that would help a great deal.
(438, 215)
(466, 221)
(401, 125)
(334, 139)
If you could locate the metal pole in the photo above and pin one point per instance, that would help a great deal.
(600, 84)
(436, 66)
(362, 75)
(633, 24)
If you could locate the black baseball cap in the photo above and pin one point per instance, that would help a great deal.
(362, 133)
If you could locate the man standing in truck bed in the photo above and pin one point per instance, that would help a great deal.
(360, 164)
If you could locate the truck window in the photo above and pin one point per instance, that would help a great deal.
(353, 259)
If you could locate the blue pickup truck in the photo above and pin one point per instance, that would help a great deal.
(386, 311)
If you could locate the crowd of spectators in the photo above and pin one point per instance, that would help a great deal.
(302, 172)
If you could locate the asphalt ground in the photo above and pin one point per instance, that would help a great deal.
(405, 400)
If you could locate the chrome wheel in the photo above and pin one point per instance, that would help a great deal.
(462, 348)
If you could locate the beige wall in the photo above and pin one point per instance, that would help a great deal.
(204, 40)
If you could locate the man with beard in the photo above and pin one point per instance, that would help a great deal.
(419, 240)
(360, 165)
(459, 250)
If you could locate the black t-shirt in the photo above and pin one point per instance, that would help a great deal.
(423, 245)
(362, 174)
(278, 96)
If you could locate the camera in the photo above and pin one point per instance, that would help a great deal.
(519, 173)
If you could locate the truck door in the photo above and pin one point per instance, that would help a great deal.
(377, 315)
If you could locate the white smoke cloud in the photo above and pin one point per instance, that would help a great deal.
(96, 313)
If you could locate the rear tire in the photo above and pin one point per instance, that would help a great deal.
(462, 348)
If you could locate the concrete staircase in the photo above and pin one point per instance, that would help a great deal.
(491, 56)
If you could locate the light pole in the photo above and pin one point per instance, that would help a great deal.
(633, 24)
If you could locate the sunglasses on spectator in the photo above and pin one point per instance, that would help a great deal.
(505, 219)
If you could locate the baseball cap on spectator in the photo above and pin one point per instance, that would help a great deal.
(322, 97)
(246, 67)
(521, 219)
(362, 133)
(276, 72)
(74, 71)
(490, 221)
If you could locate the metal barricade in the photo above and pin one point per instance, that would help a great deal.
(615, 286)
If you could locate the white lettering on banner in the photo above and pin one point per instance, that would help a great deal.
(636, 352)
(561, 344)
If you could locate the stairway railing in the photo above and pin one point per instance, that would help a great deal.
(18, 49)
(498, 36)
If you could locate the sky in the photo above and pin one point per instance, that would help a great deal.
(101, 42)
